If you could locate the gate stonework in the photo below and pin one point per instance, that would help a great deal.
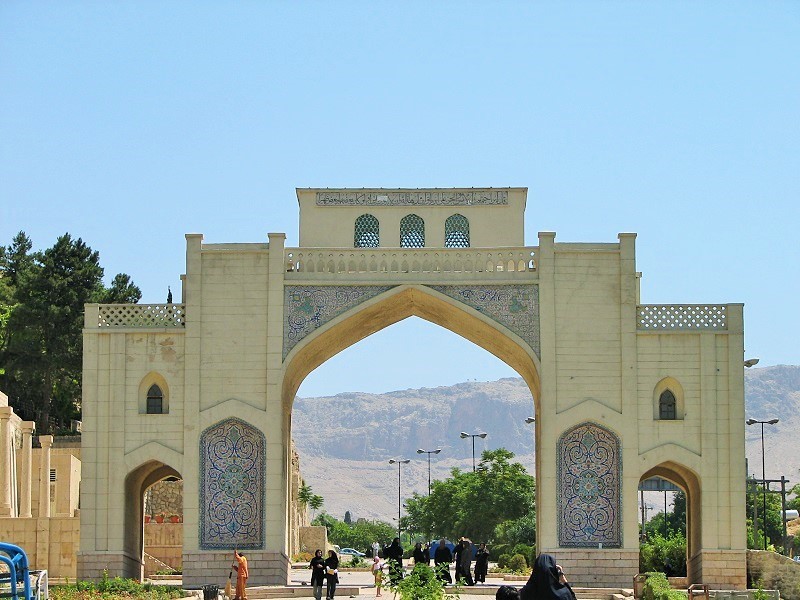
(256, 318)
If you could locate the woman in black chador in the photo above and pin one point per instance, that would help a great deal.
(394, 558)
(547, 582)
(317, 567)
(441, 561)
(331, 574)
(481, 564)
(419, 554)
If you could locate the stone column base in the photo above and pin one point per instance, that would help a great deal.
(592, 567)
(92, 565)
(720, 569)
(202, 568)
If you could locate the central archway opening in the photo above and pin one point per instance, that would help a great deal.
(359, 430)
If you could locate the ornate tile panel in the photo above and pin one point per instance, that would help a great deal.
(307, 308)
(589, 482)
(513, 306)
(232, 486)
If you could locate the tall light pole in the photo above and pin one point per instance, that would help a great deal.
(473, 436)
(398, 461)
(429, 452)
(763, 475)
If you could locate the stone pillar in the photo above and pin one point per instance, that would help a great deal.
(28, 427)
(46, 442)
(6, 439)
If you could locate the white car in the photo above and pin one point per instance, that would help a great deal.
(351, 552)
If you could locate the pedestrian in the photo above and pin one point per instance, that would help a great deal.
(376, 549)
(442, 558)
(317, 567)
(331, 574)
(377, 573)
(426, 553)
(481, 564)
(418, 554)
(466, 561)
(457, 559)
(394, 559)
(547, 581)
(242, 574)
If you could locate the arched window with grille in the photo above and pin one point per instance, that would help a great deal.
(667, 406)
(412, 232)
(366, 232)
(155, 400)
(456, 232)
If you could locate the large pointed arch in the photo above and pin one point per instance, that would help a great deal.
(393, 306)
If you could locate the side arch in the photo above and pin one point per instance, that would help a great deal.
(689, 481)
(393, 306)
(137, 480)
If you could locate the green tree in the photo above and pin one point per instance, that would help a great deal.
(348, 518)
(773, 521)
(794, 503)
(315, 502)
(41, 345)
(305, 494)
(473, 504)
(358, 535)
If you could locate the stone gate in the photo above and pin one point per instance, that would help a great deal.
(203, 389)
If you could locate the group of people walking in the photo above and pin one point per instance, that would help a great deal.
(547, 581)
(324, 571)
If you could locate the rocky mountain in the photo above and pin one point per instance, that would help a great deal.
(345, 441)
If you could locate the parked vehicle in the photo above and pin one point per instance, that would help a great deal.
(351, 552)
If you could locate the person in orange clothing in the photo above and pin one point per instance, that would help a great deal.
(240, 567)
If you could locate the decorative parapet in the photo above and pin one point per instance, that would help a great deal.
(370, 263)
(470, 197)
(139, 316)
(682, 317)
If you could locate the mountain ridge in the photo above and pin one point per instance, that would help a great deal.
(345, 440)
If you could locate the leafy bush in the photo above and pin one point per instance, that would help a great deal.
(518, 564)
(301, 557)
(114, 589)
(357, 561)
(666, 555)
(499, 549)
(656, 587)
(526, 551)
(420, 584)
(503, 560)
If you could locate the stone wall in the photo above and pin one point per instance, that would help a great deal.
(164, 497)
(49, 543)
(164, 541)
(770, 570)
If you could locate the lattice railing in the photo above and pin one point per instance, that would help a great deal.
(141, 315)
(504, 262)
(666, 317)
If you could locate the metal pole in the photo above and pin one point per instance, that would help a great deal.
(764, 488)
(473, 453)
(398, 499)
(429, 473)
(641, 496)
(783, 515)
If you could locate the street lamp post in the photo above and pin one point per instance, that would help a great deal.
(473, 436)
(429, 452)
(398, 461)
(763, 475)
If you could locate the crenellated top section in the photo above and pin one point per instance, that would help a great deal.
(399, 264)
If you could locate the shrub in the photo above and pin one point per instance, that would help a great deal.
(502, 560)
(114, 589)
(667, 555)
(499, 549)
(420, 584)
(518, 564)
(526, 551)
(656, 587)
(357, 561)
(301, 557)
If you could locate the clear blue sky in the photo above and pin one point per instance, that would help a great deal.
(130, 124)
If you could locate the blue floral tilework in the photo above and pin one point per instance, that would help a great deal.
(232, 486)
(589, 478)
